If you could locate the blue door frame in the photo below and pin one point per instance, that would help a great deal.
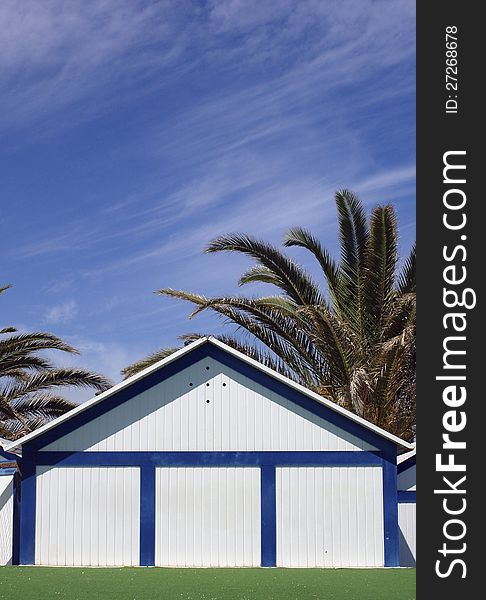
(266, 461)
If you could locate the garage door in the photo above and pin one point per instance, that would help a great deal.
(329, 516)
(87, 516)
(208, 517)
(6, 519)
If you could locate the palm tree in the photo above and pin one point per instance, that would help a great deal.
(28, 378)
(353, 341)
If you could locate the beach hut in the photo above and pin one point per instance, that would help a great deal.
(209, 459)
(8, 504)
(406, 478)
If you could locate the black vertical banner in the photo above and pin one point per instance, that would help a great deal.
(451, 330)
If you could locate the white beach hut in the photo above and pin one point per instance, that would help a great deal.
(8, 504)
(209, 458)
(407, 486)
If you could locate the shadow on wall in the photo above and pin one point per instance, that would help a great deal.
(406, 555)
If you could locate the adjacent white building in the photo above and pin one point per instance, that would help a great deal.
(407, 510)
(8, 504)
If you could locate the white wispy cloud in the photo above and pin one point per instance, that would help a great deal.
(57, 53)
(62, 313)
(288, 107)
(107, 358)
(398, 181)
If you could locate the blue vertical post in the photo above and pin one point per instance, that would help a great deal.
(147, 516)
(27, 510)
(16, 520)
(390, 507)
(268, 516)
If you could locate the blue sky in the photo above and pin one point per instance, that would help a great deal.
(133, 132)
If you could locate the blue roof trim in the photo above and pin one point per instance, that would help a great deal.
(407, 497)
(407, 464)
(199, 353)
(204, 458)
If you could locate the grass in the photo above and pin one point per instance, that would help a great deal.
(42, 583)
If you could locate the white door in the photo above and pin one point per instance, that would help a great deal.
(207, 517)
(6, 519)
(407, 533)
(87, 516)
(329, 517)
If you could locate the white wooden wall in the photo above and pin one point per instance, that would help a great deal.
(240, 415)
(208, 517)
(6, 519)
(87, 516)
(407, 481)
(330, 517)
(407, 534)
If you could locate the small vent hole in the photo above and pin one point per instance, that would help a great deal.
(207, 384)
(190, 384)
(224, 384)
(207, 401)
(207, 368)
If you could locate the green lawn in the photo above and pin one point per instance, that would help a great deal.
(39, 583)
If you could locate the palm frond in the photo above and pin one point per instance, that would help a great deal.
(198, 299)
(17, 366)
(260, 320)
(55, 378)
(6, 410)
(391, 374)
(297, 236)
(282, 336)
(353, 230)
(148, 361)
(360, 391)
(353, 235)
(43, 406)
(380, 264)
(406, 278)
(401, 314)
(5, 287)
(289, 277)
(33, 342)
(334, 341)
